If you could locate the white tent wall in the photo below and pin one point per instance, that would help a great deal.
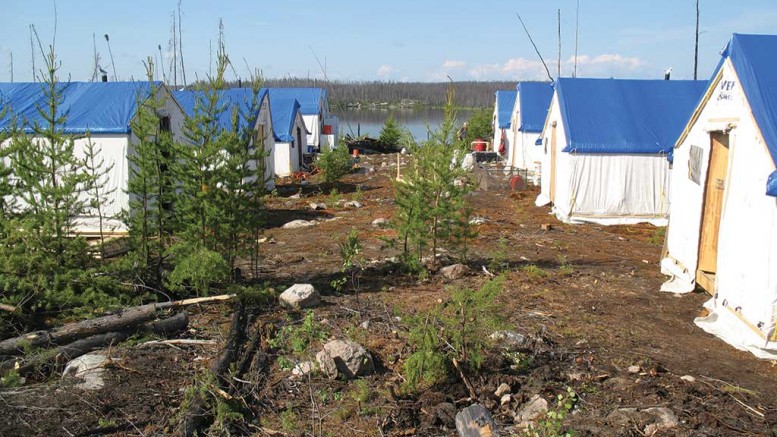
(612, 189)
(264, 125)
(282, 153)
(523, 152)
(687, 196)
(286, 154)
(742, 311)
(314, 125)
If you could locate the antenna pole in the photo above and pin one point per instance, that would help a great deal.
(535, 46)
(577, 33)
(110, 53)
(11, 67)
(696, 44)
(32, 52)
(558, 71)
(180, 43)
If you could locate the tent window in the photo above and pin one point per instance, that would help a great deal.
(164, 124)
(694, 164)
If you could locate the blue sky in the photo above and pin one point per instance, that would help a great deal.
(397, 40)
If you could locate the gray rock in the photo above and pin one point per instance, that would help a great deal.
(380, 222)
(365, 324)
(346, 358)
(502, 390)
(688, 378)
(303, 368)
(532, 410)
(295, 196)
(634, 369)
(477, 221)
(505, 399)
(317, 206)
(89, 368)
(455, 271)
(476, 421)
(297, 224)
(508, 339)
(651, 420)
(299, 296)
(354, 204)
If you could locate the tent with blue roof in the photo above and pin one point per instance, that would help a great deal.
(105, 111)
(291, 135)
(246, 102)
(503, 110)
(723, 230)
(528, 117)
(314, 106)
(604, 146)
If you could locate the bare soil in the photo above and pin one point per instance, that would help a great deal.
(589, 305)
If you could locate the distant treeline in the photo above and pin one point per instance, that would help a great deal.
(468, 94)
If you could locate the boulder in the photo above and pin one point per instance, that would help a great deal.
(532, 410)
(476, 421)
(299, 296)
(317, 206)
(88, 368)
(346, 358)
(455, 271)
(477, 221)
(354, 204)
(502, 390)
(297, 224)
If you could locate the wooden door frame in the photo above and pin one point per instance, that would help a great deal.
(706, 278)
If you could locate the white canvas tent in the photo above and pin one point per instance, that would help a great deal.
(321, 125)
(723, 228)
(243, 99)
(604, 148)
(528, 116)
(290, 133)
(105, 110)
(503, 132)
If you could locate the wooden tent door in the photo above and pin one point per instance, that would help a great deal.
(553, 163)
(300, 159)
(711, 210)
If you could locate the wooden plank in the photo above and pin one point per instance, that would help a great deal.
(706, 281)
(713, 202)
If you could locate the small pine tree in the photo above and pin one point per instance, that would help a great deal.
(151, 185)
(391, 134)
(432, 206)
(97, 186)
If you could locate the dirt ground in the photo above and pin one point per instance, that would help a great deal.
(586, 298)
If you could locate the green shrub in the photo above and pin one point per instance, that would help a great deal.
(391, 134)
(480, 125)
(198, 268)
(334, 163)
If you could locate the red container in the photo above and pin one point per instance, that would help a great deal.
(327, 129)
(479, 145)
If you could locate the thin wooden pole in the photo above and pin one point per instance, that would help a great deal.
(577, 34)
(558, 69)
(696, 44)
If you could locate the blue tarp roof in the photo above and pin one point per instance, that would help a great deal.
(97, 107)
(505, 101)
(228, 98)
(284, 111)
(625, 116)
(311, 100)
(754, 60)
(534, 100)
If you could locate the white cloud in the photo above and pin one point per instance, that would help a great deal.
(450, 63)
(385, 71)
(528, 69)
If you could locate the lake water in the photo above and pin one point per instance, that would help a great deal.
(369, 122)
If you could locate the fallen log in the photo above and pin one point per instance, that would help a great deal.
(6, 307)
(122, 321)
(58, 357)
